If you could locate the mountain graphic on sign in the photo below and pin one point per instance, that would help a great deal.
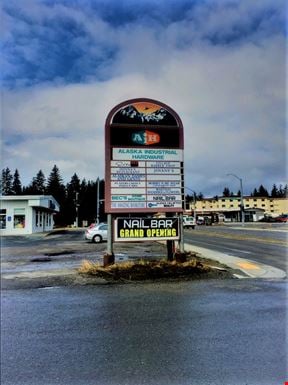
(144, 113)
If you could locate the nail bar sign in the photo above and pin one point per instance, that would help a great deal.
(146, 229)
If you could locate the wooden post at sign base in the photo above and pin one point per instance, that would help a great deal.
(109, 257)
(170, 244)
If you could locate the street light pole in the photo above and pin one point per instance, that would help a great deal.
(77, 208)
(98, 200)
(194, 197)
(242, 199)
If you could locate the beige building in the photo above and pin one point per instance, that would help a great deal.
(228, 208)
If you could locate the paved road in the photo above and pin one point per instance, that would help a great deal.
(268, 246)
(201, 333)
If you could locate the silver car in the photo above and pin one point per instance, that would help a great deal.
(97, 233)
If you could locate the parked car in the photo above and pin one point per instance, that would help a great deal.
(189, 222)
(204, 221)
(200, 221)
(97, 233)
(267, 219)
(282, 218)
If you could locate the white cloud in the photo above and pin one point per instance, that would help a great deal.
(229, 97)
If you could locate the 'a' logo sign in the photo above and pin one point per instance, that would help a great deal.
(145, 137)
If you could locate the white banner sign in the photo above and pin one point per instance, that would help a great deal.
(167, 171)
(128, 177)
(163, 177)
(128, 205)
(163, 198)
(147, 154)
(128, 164)
(127, 184)
(126, 170)
(163, 191)
(155, 205)
(128, 198)
(123, 191)
(162, 164)
(156, 183)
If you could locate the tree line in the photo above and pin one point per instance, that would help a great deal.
(76, 198)
(79, 198)
(276, 192)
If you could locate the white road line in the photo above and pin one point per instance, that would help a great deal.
(240, 251)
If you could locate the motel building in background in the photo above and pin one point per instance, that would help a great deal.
(227, 209)
(27, 214)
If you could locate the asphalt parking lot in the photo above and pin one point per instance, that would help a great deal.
(48, 259)
(53, 258)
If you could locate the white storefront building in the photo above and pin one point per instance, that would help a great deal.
(27, 214)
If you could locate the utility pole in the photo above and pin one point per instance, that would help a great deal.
(98, 200)
(242, 199)
(194, 199)
(77, 206)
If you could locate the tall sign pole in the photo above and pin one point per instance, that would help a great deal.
(144, 169)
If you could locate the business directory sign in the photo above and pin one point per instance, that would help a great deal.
(143, 158)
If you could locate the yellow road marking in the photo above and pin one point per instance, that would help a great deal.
(248, 265)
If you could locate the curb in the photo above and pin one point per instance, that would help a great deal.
(250, 268)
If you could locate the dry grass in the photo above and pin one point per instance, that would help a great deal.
(150, 270)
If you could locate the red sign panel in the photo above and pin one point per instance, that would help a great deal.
(144, 158)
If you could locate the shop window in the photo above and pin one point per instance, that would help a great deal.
(37, 218)
(19, 218)
(3, 219)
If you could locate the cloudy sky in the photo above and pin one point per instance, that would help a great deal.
(220, 64)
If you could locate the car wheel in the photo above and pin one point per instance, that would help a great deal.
(97, 239)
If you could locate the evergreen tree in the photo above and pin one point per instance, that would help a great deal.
(274, 191)
(262, 192)
(71, 206)
(56, 188)
(6, 182)
(279, 192)
(38, 183)
(88, 201)
(200, 197)
(226, 192)
(16, 184)
(37, 186)
(254, 193)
